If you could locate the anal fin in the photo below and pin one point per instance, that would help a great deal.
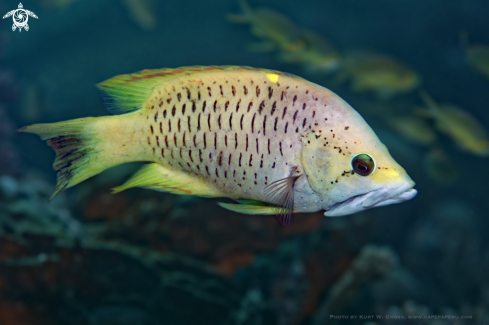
(156, 177)
(251, 207)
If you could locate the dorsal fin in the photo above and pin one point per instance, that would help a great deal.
(127, 93)
(281, 194)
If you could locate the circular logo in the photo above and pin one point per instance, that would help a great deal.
(20, 18)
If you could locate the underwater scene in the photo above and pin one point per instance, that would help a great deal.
(248, 162)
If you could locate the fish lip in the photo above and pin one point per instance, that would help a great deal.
(376, 198)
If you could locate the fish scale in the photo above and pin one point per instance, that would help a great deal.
(266, 118)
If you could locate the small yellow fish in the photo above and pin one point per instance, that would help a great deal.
(274, 28)
(380, 74)
(478, 57)
(142, 12)
(413, 129)
(457, 123)
(318, 55)
(272, 141)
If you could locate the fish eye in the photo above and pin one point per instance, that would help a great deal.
(363, 164)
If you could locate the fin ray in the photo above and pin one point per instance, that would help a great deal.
(281, 194)
(77, 151)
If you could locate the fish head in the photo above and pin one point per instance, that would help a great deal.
(348, 167)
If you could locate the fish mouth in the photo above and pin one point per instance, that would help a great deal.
(373, 199)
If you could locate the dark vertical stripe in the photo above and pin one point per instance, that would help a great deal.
(262, 106)
(257, 149)
(274, 106)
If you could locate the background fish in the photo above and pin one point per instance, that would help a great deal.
(275, 29)
(381, 74)
(275, 142)
(464, 129)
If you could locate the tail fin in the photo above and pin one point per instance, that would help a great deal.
(78, 150)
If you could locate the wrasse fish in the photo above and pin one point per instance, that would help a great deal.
(273, 142)
(464, 129)
(413, 129)
(318, 55)
(380, 74)
(275, 29)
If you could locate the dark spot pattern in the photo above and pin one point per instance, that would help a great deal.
(259, 128)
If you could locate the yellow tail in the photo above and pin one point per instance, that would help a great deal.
(83, 147)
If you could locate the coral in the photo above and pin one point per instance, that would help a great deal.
(372, 263)
(119, 285)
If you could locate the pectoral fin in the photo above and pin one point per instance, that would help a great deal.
(251, 207)
(281, 194)
(159, 178)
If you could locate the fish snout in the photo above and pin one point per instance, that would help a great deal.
(373, 199)
(387, 196)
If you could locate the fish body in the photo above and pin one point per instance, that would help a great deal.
(380, 74)
(464, 129)
(413, 129)
(274, 142)
(318, 55)
(271, 26)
